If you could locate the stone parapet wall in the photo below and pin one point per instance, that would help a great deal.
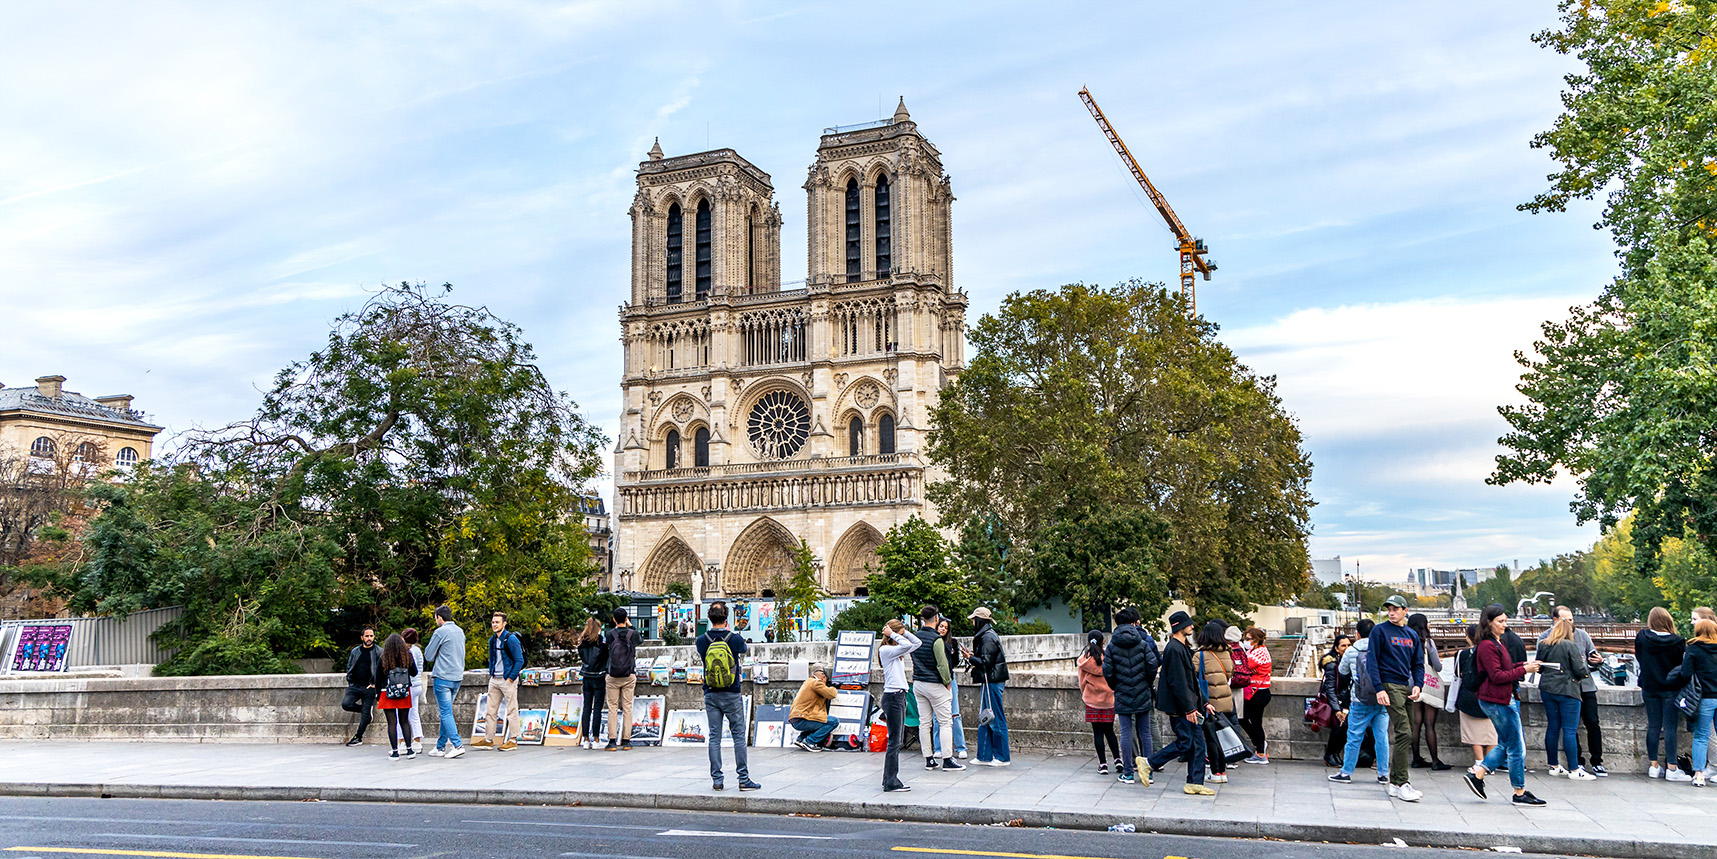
(1043, 708)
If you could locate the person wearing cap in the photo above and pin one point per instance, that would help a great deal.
(1396, 669)
(990, 671)
(1179, 696)
(810, 713)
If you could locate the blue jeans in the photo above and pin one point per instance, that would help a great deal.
(1562, 718)
(813, 731)
(1365, 716)
(959, 727)
(1509, 749)
(726, 707)
(1188, 740)
(1702, 725)
(993, 738)
(1135, 730)
(444, 692)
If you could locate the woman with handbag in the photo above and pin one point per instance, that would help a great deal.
(1099, 700)
(1216, 665)
(1657, 651)
(398, 669)
(1500, 674)
(1699, 668)
(1257, 693)
(1424, 711)
(1336, 689)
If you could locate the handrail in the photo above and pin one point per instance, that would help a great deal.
(779, 466)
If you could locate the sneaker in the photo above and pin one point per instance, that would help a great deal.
(804, 745)
(410, 753)
(717, 786)
(930, 763)
(1395, 791)
(1001, 763)
(899, 788)
(1126, 778)
(483, 743)
(625, 745)
(1655, 772)
(1260, 760)
(1557, 769)
(1409, 793)
(1598, 770)
(1383, 779)
(748, 784)
(1341, 778)
(437, 753)
(355, 741)
(393, 755)
(1102, 769)
(1527, 799)
(1197, 790)
(1218, 778)
(1676, 775)
(950, 764)
(456, 751)
(506, 746)
(961, 754)
(1474, 784)
(1582, 775)
(611, 747)
(1699, 779)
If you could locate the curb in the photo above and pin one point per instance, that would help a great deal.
(1617, 848)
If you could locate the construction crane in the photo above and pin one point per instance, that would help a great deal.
(1192, 250)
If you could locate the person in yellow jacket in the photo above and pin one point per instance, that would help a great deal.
(810, 713)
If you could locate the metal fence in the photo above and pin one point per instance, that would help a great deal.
(112, 640)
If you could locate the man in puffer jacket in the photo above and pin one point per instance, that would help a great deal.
(1130, 666)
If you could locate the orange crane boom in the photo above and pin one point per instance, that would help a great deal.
(1192, 250)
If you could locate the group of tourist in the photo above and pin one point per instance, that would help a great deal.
(1383, 686)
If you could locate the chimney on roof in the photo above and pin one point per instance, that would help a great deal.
(117, 402)
(49, 386)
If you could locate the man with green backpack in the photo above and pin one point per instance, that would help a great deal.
(720, 651)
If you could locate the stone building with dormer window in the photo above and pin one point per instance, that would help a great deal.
(757, 413)
(97, 433)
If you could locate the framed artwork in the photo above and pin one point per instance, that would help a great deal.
(533, 727)
(647, 719)
(477, 731)
(772, 729)
(686, 728)
(564, 712)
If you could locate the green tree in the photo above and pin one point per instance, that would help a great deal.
(418, 457)
(1101, 560)
(1496, 590)
(1621, 395)
(1089, 398)
(865, 614)
(1319, 597)
(797, 597)
(918, 568)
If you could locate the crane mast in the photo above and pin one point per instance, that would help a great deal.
(1192, 250)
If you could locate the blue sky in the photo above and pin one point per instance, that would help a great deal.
(189, 193)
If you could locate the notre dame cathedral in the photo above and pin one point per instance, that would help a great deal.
(755, 414)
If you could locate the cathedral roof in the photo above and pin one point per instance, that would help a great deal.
(700, 159)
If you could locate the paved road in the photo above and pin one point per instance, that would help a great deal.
(54, 828)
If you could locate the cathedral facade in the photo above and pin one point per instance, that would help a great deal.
(756, 415)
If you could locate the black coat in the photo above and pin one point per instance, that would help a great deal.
(593, 658)
(989, 664)
(1658, 653)
(1700, 661)
(1177, 685)
(1130, 665)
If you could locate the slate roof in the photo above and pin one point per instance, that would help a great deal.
(68, 404)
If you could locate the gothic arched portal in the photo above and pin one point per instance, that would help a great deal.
(671, 561)
(762, 555)
(853, 559)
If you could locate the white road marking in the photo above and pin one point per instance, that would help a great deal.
(124, 835)
(546, 823)
(704, 833)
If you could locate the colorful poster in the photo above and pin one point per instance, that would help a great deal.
(564, 713)
(42, 647)
(533, 725)
(647, 716)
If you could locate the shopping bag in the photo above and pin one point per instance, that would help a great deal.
(1234, 746)
(878, 737)
(1435, 690)
(1452, 690)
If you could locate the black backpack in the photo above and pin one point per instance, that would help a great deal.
(398, 685)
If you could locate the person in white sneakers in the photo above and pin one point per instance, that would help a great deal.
(1564, 667)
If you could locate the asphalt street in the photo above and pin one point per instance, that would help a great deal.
(193, 829)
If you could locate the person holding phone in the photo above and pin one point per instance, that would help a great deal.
(1499, 674)
(1178, 696)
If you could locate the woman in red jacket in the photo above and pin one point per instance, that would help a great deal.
(1499, 674)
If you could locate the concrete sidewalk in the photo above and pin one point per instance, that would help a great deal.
(1623, 816)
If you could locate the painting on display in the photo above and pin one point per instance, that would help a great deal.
(477, 732)
(851, 707)
(647, 718)
(564, 713)
(685, 728)
(772, 729)
(41, 647)
(533, 727)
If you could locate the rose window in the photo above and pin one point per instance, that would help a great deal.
(779, 425)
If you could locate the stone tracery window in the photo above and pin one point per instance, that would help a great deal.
(855, 436)
(885, 433)
(676, 243)
(703, 250)
(853, 261)
(700, 448)
(778, 425)
(672, 460)
(884, 255)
